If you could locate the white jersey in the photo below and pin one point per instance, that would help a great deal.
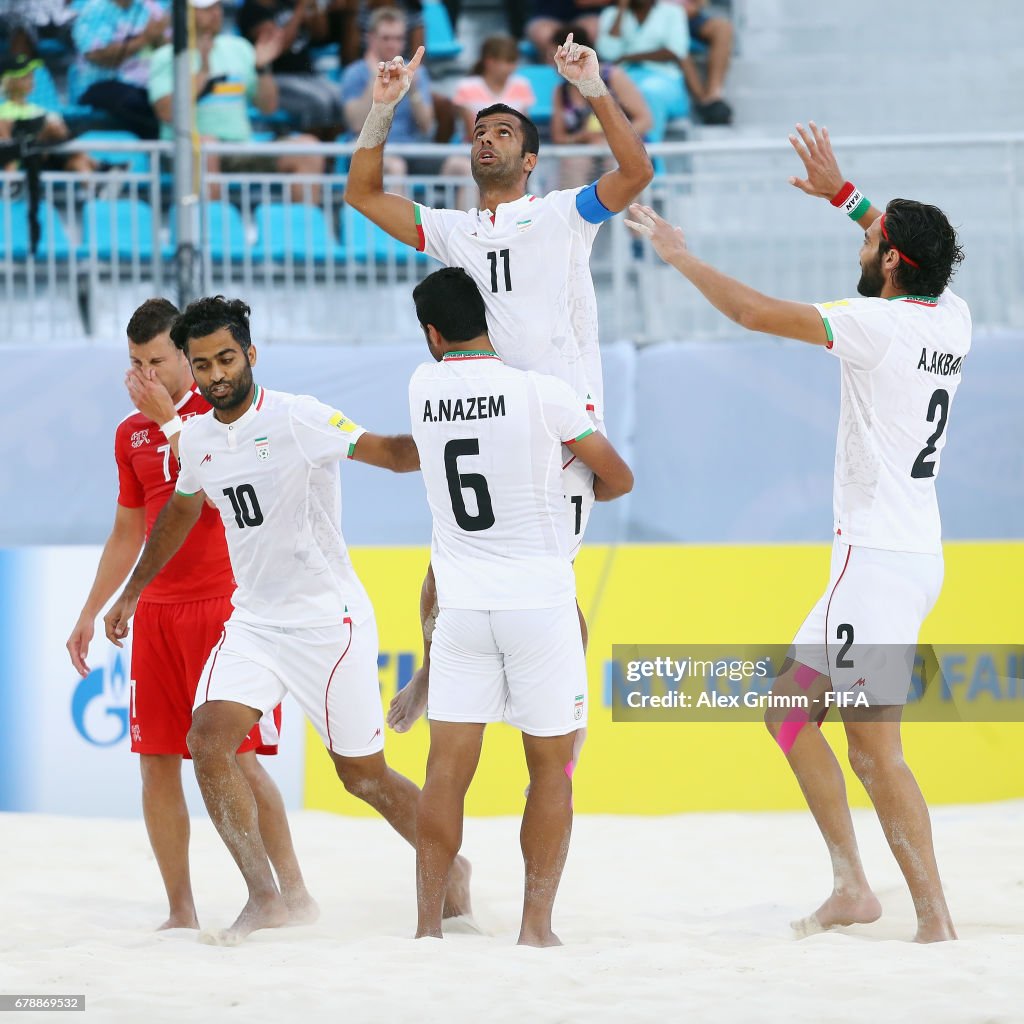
(273, 475)
(901, 365)
(490, 442)
(531, 261)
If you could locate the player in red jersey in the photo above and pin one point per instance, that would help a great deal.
(179, 620)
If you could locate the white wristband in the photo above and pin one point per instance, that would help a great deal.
(171, 427)
(592, 87)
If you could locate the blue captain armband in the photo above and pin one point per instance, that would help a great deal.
(590, 207)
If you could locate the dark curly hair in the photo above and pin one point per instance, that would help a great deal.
(204, 316)
(923, 234)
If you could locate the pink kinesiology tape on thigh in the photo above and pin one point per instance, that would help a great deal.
(570, 768)
(790, 728)
(804, 676)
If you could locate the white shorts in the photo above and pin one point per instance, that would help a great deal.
(521, 666)
(330, 670)
(863, 631)
(578, 483)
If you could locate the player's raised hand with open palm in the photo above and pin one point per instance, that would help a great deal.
(575, 62)
(394, 77)
(814, 147)
(668, 240)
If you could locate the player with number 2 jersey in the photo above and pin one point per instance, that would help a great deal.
(902, 346)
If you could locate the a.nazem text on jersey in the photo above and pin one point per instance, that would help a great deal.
(479, 407)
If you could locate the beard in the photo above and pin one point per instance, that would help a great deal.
(501, 173)
(237, 393)
(871, 280)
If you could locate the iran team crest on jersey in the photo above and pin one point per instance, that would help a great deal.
(140, 437)
(262, 449)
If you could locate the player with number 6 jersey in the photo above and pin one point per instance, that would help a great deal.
(507, 646)
(902, 345)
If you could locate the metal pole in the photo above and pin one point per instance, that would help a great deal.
(186, 201)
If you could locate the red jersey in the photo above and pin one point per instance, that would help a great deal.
(147, 471)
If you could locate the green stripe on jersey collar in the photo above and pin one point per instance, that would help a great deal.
(471, 354)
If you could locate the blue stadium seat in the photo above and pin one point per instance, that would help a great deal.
(118, 229)
(44, 90)
(295, 231)
(544, 79)
(440, 36)
(363, 241)
(138, 163)
(224, 227)
(14, 233)
(663, 89)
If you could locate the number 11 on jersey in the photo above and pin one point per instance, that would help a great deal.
(494, 256)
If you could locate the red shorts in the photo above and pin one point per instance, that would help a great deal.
(170, 645)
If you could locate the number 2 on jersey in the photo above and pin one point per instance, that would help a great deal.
(475, 482)
(938, 409)
(493, 257)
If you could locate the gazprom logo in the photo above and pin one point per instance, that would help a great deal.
(99, 706)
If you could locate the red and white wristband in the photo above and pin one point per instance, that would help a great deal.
(853, 202)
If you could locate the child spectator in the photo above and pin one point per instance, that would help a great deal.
(493, 81)
(18, 116)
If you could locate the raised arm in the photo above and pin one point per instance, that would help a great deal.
(397, 453)
(364, 189)
(824, 179)
(171, 528)
(739, 302)
(119, 555)
(612, 477)
(619, 187)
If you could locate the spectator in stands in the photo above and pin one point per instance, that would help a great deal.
(651, 38)
(716, 34)
(19, 116)
(493, 81)
(24, 22)
(573, 121)
(414, 116)
(548, 15)
(228, 72)
(114, 40)
(313, 103)
(358, 16)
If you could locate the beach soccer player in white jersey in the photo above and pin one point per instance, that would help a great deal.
(529, 255)
(901, 346)
(507, 645)
(302, 622)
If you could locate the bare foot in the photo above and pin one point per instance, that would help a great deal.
(302, 908)
(409, 703)
(542, 940)
(456, 900)
(838, 910)
(271, 912)
(182, 920)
